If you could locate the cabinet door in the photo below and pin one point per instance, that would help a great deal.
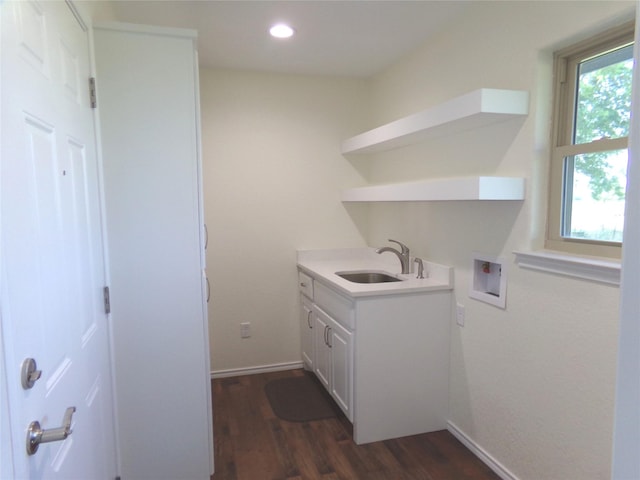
(322, 363)
(341, 346)
(306, 332)
(153, 219)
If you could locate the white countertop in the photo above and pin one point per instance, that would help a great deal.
(323, 265)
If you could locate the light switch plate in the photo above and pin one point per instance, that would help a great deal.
(245, 330)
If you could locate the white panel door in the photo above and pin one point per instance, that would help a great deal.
(51, 246)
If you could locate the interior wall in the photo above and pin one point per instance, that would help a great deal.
(533, 384)
(273, 174)
(96, 10)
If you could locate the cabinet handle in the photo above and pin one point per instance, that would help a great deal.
(208, 290)
(302, 284)
(309, 319)
(327, 333)
(206, 236)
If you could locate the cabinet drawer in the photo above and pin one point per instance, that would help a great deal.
(305, 283)
(337, 306)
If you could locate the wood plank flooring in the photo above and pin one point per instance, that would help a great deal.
(251, 443)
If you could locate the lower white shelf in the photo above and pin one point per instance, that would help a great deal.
(449, 189)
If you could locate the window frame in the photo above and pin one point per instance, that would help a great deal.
(565, 91)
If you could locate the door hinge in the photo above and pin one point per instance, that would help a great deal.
(107, 300)
(92, 92)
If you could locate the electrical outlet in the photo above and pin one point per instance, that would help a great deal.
(245, 330)
(460, 314)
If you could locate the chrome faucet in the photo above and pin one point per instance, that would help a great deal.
(403, 255)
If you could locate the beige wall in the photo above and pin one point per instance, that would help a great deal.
(533, 384)
(97, 10)
(272, 175)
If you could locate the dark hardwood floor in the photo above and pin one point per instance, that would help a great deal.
(251, 443)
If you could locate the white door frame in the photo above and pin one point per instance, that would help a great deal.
(88, 20)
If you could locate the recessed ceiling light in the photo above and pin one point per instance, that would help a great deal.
(281, 30)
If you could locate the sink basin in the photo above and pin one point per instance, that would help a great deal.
(368, 277)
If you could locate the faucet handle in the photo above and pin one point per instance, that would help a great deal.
(420, 267)
(405, 249)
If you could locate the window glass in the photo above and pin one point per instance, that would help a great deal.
(603, 99)
(594, 194)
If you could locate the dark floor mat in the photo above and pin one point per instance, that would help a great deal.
(299, 399)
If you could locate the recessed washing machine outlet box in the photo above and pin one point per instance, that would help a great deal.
(489, 280)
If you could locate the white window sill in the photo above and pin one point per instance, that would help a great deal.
(602, 271)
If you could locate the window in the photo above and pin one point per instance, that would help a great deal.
(589, 150)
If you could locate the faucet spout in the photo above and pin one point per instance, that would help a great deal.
(403, 255)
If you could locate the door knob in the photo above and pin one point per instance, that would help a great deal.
(37, 435)
(29, 373)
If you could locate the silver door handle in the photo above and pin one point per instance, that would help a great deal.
(37, 435)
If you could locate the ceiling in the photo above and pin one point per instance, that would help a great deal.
(355, 38)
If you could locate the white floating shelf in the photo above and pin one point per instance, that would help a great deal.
(472, 110)
(467, 188)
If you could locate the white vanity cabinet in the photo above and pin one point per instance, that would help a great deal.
(401, 367)
(384, 357)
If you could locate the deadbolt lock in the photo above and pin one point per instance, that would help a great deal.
(29, 373)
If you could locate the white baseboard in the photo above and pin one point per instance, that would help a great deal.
(479, 452)
(235, 372)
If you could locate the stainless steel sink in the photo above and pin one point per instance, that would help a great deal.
(368, 277)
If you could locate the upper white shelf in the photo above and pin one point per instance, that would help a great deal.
(466, 188)
(472, 110)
